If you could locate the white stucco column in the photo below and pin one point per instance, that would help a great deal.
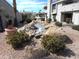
(75, 18)
(49, 9)
(59, 16)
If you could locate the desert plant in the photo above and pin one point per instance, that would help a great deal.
(28, 20)
(58, 24)
(76, 27)
(18, 39)
(54, 43)
(49, 20)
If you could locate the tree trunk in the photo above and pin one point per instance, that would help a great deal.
(15, 11)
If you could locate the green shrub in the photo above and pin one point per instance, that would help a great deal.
(58, 24)
(76, 27)
(54, 43)
(18, 39)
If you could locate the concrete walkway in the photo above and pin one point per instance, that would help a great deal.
(74, 46)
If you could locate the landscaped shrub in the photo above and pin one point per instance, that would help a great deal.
(18, 39)
(76, 27)
(54, 43)
(49, 20)
(28, 20)
(58, 24)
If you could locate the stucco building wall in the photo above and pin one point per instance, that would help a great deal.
(68, 8)
(7, 10)
(75, 19)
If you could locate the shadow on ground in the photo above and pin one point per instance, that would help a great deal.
(66, 53)
(67, 40)
(30, 42)
(38, 54)
(43, 54)
(22, 47)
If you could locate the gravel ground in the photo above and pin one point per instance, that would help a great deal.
(7, 52)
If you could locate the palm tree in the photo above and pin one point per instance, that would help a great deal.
(15, 11)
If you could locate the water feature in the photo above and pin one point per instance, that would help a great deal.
(35, 29)
(40, 28)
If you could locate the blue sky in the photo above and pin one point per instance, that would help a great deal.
(30, 5)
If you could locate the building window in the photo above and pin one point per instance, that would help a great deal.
(65, 2)
(54, 6)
